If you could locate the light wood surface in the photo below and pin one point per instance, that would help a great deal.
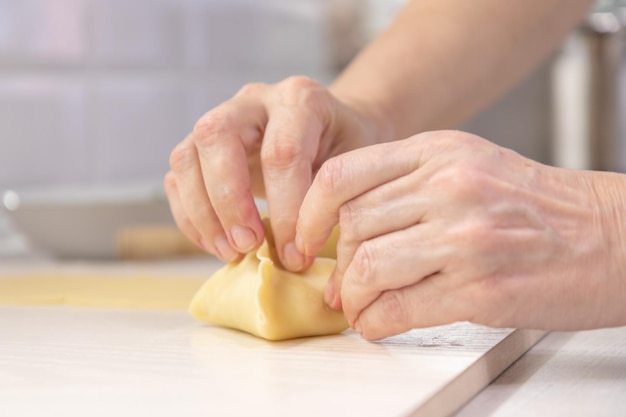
(565, 374)
(75, 361)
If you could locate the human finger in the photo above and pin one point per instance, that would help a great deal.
(179, 215)
(185, 175)
(391, 207)
(425, 304)
(223, 138)
(291, 143)
(343, 178)
(392, 261)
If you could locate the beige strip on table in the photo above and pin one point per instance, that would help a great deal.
(136, 285)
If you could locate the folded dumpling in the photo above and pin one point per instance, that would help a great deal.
(257, 295)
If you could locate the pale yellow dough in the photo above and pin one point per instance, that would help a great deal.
(260, 297)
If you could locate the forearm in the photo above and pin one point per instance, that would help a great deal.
(441, 61)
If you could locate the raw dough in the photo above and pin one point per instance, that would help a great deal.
(259, 296)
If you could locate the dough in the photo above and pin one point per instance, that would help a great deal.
(257, 295)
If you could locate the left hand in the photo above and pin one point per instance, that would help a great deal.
(446, 226)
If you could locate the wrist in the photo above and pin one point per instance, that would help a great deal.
(374, 119)
(609, 190)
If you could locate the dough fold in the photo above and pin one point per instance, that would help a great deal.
(257, 295)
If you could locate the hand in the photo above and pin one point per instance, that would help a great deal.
(447, 227)
(267, 141)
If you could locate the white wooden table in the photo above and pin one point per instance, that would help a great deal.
(75, 361)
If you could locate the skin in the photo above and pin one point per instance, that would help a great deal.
(440, 62)
(446, 226)
(267, 141)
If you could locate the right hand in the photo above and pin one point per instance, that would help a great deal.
(267, 141)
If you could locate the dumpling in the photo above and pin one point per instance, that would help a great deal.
(257, 295)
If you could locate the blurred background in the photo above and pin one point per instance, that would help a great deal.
(98, 92)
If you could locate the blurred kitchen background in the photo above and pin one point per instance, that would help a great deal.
(98, 92)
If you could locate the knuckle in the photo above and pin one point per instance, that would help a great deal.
(364, 265)
(331, 175)
(349, 220)
(251, 89)
(299, 82)
(461, 138)
(393, 309)
(313, 97)
(182, 156)
(452, 141)
(304, 92)
(208, 129)
(464, 179)
(442, 139)
(472, 175)
(458, 138)
(461, 180)
(281, 153)
(169, 181)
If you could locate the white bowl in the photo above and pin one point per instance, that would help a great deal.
(83, 222)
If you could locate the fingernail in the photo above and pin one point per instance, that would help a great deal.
(293, 259)
(244, 238)
(225, 251)
(329, 294)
